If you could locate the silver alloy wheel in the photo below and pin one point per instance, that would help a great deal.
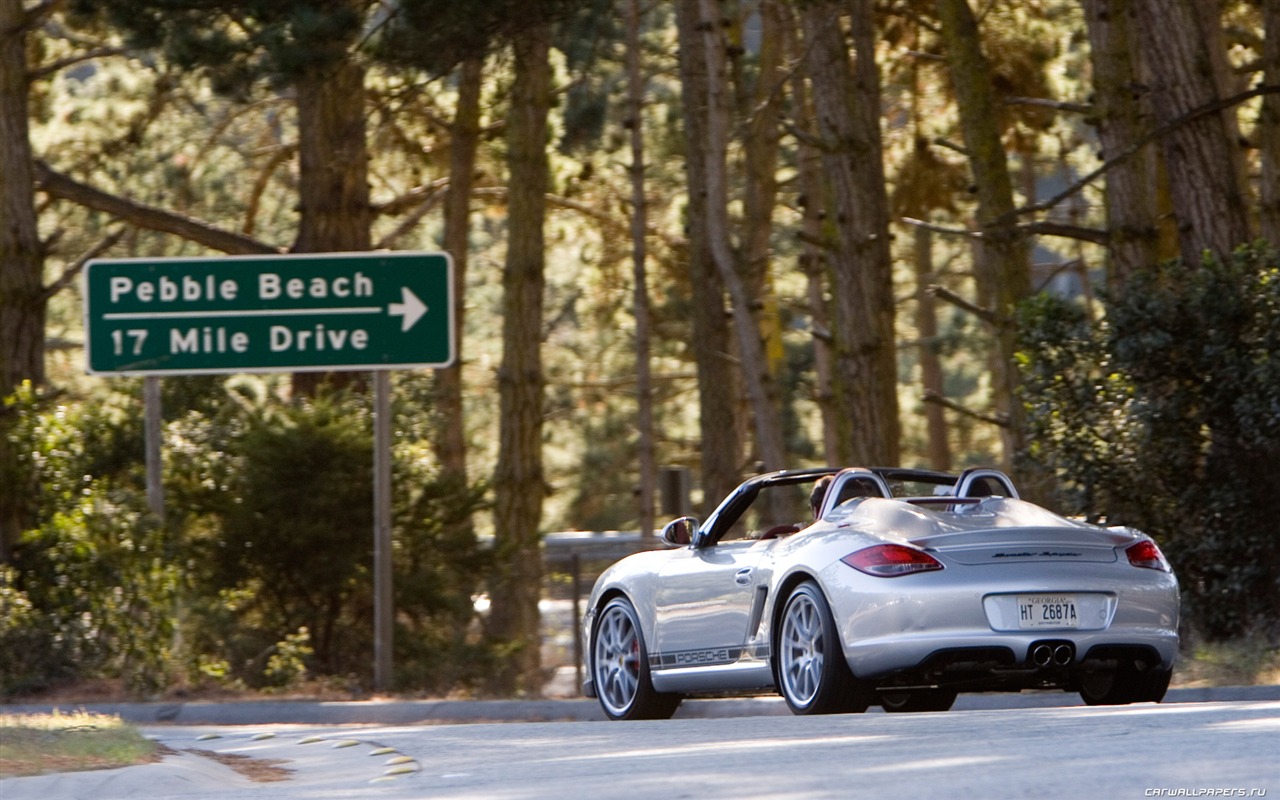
(802, 649)
(616, 660)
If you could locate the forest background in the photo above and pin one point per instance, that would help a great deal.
(725, 235)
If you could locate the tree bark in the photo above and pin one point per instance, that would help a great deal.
(931, 377)
(764, 405)
(22, 301)
(847, 107)
(333, 175)
(1208, 202)
(721, 447)
(1005, 262)
(1131, 185)
(451, 436)
(760, 190)
(519, 485)
(22, 297)
(813, 259)
(1269, 126)
(645, 455)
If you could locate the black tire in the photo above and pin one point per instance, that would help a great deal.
(917, 700)
(1126, 684)
(813, 676)
(620, 667)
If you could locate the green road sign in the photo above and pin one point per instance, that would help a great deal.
(294, 313)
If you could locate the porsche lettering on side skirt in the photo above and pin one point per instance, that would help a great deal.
(705, 658)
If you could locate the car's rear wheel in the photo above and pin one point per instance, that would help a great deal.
(1127, 683)
(917, 700)
(813, 676)
(620, 667)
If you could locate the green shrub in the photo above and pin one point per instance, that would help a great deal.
(95, 567)
(1166, 416)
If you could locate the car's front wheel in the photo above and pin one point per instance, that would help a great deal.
(813, 676)
(620, 667)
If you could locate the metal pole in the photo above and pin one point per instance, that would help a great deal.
(382, 596)
(153, 433)
(577, 618)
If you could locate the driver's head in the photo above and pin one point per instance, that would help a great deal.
(818, 493)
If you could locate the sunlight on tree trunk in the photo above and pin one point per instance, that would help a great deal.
(1131, 185)
(1269, 125)
(333, 176)
(721, 448)
(1004, 248)
(863, 343)
(646, 463)
(1208, 202)
(22, 299)
(451, 438)
(519, 484)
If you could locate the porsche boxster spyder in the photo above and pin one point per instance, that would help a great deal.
(843, 588)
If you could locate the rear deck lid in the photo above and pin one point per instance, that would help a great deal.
(994, 531)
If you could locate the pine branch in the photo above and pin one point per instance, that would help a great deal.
(943, 293)
(1065, 231)
(73, 270)
(1131, 150)
(937, 399)
(1057, 105)
(63, 187)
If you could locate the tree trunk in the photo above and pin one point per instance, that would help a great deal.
(1005, 260)
(764, 405)
(760, 191)
(847, 107)
(721, 447)
(645, 458)
(1269, 126)
(451, 436)
(333, 175)
(1130, 195)
(931, 379)
(813, 207)
(22, 301)
(1208, 203)
(519, 485)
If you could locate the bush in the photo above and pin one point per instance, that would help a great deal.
(279, 513)
(92, 578)
(1167, 417)
(261, 576)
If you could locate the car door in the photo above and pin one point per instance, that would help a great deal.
(705, 604)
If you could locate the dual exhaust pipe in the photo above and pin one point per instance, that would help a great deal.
(1052, 654)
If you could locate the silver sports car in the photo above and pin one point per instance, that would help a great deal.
(839, 588)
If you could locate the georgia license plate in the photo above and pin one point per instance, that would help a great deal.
(1048, 611)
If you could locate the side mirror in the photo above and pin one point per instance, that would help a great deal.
(679, 532)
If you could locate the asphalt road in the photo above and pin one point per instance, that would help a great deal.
(1175, 749)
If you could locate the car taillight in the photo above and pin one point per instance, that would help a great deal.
(1145, 554)
(891, 561)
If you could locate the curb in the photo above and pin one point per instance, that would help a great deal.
(418, 712)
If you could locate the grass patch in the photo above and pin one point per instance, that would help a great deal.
(37, 744)
(1240, 662)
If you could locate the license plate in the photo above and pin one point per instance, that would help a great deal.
(1048, 611)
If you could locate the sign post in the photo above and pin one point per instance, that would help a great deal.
(328, 312)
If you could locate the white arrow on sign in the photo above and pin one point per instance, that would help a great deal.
(411, 309)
